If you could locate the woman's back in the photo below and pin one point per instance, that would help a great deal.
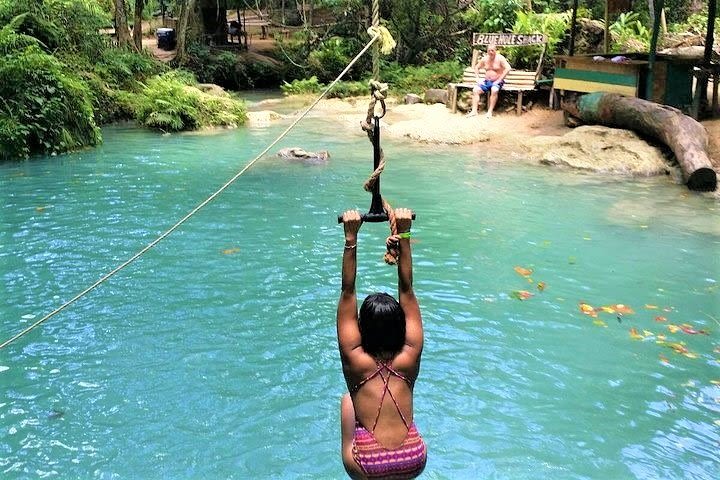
(383, 398)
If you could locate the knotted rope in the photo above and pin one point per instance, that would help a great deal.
(377, 94)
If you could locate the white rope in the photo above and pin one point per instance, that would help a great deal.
(194, 210)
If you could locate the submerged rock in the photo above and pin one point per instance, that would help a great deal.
(297, 153)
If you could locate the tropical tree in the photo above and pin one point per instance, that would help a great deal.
(121, 24)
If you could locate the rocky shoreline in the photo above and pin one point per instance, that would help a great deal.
(536, 136)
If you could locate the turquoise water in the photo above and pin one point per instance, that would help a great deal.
(214, 356)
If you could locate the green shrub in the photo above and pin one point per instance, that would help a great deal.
(418, 79)
(629, 33)
(122, 68)
(173, 102)
(553, 25)
(301, 87)
(492, 16)
(331, 57)
(349, 89)
(45, 108)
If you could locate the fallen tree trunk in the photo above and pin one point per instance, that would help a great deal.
(686, 137)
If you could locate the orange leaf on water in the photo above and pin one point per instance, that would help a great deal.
(624, 309)
(521, 294)
(635, 335)
(691, 331)
(587, 309)
(664, 359)
(541, 286)
(525, 272)
(660, 318)
(230, 251)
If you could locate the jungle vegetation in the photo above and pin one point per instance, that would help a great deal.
(68, 67)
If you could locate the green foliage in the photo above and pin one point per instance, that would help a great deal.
(122, 68)
(231, 70)
(62, 26)
(79, 22)
(173, 102)
(629, 33)
(677, 11)
(424, 29)
(350, 89)
(302, 87)
(45, 107)
(697, 24)
(554, 25)
(330, 58)
(492, 16)
(412, 79)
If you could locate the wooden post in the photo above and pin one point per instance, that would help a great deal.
(650, 81)
(573, 25)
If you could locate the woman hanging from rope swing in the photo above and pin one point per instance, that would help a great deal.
(380, 353)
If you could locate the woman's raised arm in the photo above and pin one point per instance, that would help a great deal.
(406, 294)
(347, 326)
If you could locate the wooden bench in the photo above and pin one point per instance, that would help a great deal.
(516, 81)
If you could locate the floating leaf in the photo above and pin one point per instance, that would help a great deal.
(624, 309)
(635, 335)
(680, 348)
(648, 333)
(651, 307)
(664, 359)
(40, 209)
(691, 331)
(715, 382)
(587, 309)
(230, 251)
(599, 323)
(607, 309)
(523, 271)
(660, 318)
(521, 294)
(541, 286)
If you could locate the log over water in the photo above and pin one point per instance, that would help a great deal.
(686, 137)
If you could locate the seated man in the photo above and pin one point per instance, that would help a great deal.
(496, 68)
(234, 30)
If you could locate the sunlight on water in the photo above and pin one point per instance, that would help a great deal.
(213, 356)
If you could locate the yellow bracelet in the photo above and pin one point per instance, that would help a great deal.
(404, 235)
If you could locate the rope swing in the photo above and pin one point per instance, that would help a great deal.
(380, 209)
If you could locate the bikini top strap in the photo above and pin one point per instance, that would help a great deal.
(386, 389)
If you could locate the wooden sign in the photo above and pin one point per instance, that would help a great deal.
(508, 39)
